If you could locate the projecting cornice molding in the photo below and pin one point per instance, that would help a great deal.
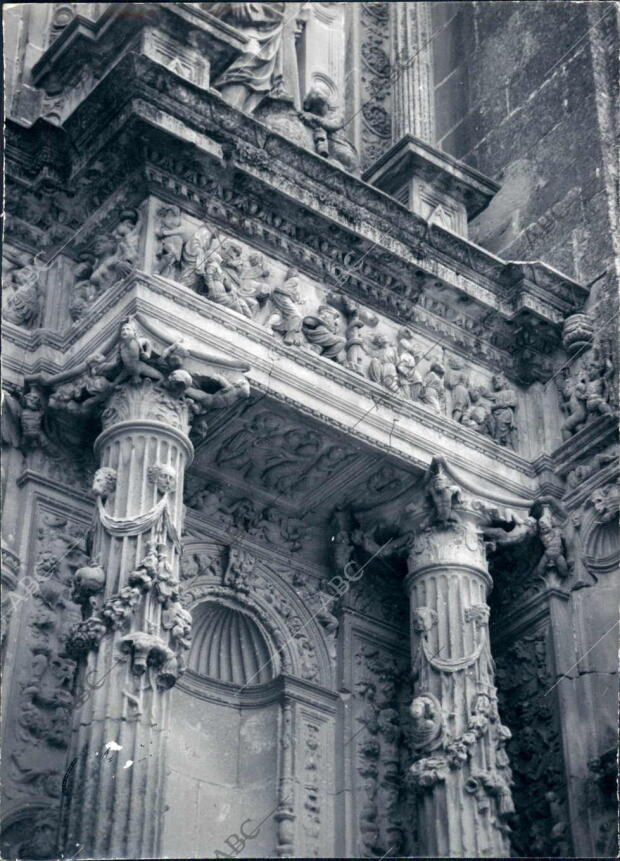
(144, 128)
(308, 383)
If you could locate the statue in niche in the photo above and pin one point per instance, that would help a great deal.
(326, 119)
(22, 304)
(502, 419)
(321, 332)
(268, 65)
(285, 298)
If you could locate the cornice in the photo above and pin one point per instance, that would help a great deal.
(135, 295)
(333, 197)
(597, 434)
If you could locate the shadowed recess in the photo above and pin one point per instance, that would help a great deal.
(229, 646)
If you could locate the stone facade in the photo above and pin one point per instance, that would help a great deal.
(310, 452)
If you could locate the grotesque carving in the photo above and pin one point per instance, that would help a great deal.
(32, 414)
(441, 494)
(555, 556)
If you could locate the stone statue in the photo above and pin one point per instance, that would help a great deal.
(23, 304)
(268, 65)
(321, 332)
(502, 419)
(433, 393)
(598, 373)
(32, 413)
(382, 367)
(573, 390)
(326, 120)
(555, 547)
(285, 298)
(442, 494)
(131, 354)
(172, 238)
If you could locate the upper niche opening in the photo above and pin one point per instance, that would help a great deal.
(227, 645)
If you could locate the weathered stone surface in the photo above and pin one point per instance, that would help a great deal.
(271, 432)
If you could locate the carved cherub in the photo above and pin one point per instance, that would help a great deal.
(326, 120)
(443, 495)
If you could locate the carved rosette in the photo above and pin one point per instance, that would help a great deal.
(135, 631)
(460, 772)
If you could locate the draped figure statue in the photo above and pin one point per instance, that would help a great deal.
(268, 65)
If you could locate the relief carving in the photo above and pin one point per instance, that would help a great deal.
(22, 293)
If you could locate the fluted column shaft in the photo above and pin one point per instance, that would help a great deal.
(413, 97)
(133, 656)
(460, 775)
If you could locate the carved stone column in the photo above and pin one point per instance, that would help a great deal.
(413, 97)
(460, 775)
(134, 632)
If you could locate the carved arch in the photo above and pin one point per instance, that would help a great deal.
(234, 576)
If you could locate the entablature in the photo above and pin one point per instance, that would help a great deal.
(185, 142)
(355, 408)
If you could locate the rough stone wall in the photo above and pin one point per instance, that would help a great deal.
(519, 97)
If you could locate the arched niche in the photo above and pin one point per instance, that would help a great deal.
(258, 665)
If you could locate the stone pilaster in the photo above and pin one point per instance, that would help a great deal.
(460, 772)
(134, 632)
(413, 105)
